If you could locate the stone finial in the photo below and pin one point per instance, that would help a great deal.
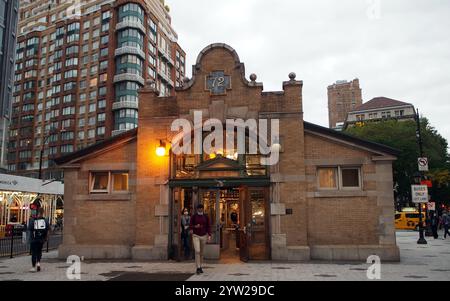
(292, 76)
(253, 77)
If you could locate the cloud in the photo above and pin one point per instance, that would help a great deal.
(398, 49)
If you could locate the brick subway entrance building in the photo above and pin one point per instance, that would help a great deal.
(329, 197)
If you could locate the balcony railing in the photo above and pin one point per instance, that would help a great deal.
(129, 77)
(165, 77)
(124, 105)
(130, 24)
(166, 55)
(129, 50)
(118, 132)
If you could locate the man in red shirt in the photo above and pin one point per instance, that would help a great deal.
(201, 232)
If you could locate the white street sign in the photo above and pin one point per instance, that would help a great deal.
(419, 194)
(431, 206)
(423, 164)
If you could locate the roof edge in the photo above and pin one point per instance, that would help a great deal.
(342, 136)
(96, 147)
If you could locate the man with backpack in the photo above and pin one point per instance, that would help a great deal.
(201, 232)
(38, 230)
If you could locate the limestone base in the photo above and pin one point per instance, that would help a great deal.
(212, 252)
(390, 253)
(95, 251)
(298, 253)
(149, 253)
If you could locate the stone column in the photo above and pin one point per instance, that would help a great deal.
(152, 195)
(386, 208)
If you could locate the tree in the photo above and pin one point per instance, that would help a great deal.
(402, 136)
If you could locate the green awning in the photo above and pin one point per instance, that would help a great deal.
(219, 183)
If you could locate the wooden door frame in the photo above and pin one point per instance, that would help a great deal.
(246, 218)
(244, 254)
(174, 255)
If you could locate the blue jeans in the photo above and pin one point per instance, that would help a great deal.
(186, 244)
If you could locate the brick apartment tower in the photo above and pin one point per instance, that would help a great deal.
(343, 97)
(78, 71)
(8, 28)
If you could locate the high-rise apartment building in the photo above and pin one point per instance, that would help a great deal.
(9, 11)
(343, 97)
(79, 67)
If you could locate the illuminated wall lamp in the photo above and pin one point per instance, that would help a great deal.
(161, 149)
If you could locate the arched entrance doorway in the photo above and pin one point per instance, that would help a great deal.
(234, 190)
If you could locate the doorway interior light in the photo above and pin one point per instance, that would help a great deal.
(161, 149)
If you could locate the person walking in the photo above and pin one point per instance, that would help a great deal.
(201, 232)
(38, 230)
(185, 233)
(434, 221)
(446, 224)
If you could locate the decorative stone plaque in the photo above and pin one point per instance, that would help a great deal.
(218, 83)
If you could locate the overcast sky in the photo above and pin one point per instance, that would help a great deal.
(398, 49)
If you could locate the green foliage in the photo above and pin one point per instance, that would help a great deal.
(402, 136)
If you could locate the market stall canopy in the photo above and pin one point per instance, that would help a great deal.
(23, 184)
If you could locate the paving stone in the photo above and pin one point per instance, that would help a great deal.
(416, 264)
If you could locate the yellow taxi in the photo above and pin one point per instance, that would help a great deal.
(408, 220)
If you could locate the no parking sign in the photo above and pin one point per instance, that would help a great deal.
(423, 164)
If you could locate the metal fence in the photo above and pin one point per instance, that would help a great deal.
(14, 245)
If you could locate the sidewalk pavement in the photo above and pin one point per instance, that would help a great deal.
(418, 262)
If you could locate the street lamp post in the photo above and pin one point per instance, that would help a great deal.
(422, 240)
(41, 155)
(418, 179)
(54, 131)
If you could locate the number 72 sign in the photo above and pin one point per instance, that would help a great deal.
(218, 83)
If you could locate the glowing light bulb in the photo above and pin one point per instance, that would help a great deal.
(161, 149)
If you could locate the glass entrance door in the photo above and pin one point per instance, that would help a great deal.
(254, 238)
(239, 221)
(211, 200)
(180, 241)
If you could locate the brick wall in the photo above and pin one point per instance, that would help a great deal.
(352, 219)
(101, 219)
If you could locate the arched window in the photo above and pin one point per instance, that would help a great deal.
(221, 159)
